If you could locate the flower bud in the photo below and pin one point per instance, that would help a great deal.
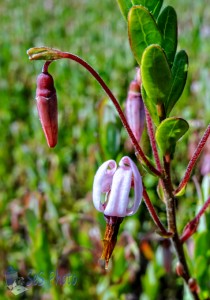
(189, 229)
(134, 110)
(46, 101)
(179, 269)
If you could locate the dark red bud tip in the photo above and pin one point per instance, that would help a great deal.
(193, 286)
(179, 269)
(46, 100)
(134, 87)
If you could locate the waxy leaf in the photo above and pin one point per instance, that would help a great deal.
(125, 6)
(169, 132)
(167, 23)
(142, 31)
(151, 106)
(179, 77)
(155, 74)
(154, 6)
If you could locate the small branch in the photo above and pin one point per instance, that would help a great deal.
(204, 208)
(57, 54)
(170, 200)
(117, 106)
(151, 134)
(154, 215)
(192, 226)
(193, 161)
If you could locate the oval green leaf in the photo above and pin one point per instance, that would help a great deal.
(167, 23)
(151, 107)
(179, 77)
(154, 6)
(125, 6)
(156, 74)
(142, 31)
(169, 132)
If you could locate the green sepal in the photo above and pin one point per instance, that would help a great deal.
(182, 191)
(169, 132)
(167, 23)
(44, 53)
(142, 31)
(179, 77)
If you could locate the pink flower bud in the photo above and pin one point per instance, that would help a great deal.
(116, 183)
(46, 101)
(134, 110)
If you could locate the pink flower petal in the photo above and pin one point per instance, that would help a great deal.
(138, 187)
(102, 182)
(119, 195)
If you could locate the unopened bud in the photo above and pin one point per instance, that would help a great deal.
(46, 100)
(135, 112)
(193, 286)
(179, 269)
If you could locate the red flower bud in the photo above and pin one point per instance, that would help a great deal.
(46, 100)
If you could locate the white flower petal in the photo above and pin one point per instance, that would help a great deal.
(138, 187)
(119, 195)
(102, 182)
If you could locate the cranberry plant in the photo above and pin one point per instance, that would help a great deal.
(158, 85)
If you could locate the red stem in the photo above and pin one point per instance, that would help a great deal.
(154, 215)
(203, 209)
(151, 134)
(193, 161)
(116, 104)
(46, 66)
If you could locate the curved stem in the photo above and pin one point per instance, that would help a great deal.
(193, 161)
(154, 215)
(46, 66)
(117, 106)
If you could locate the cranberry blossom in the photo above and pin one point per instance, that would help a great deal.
(116, 183)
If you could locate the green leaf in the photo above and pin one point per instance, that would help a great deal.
(179, 77)
(32, 222)
(169, 132)
(156, 74)
(125, 6)
(142, 31)
(112, 139)
(167, 23)
(151, 107)
(154, 6)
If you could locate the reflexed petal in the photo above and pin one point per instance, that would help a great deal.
(138, 188)
(102, 182)
(119, 196)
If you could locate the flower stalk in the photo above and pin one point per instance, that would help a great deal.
(193, 161)
(44, 53)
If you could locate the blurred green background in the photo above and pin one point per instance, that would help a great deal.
(47, 220)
